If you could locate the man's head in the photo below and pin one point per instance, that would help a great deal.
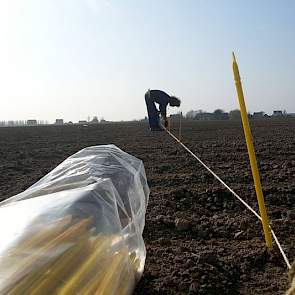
(174, 101)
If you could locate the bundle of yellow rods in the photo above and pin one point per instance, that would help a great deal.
(68, 257)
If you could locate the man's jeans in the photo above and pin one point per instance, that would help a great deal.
(153, 114)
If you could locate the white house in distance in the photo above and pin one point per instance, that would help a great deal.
(258, 115)
(82, 122)
(31, 122)
(59, 122)
(277, 114)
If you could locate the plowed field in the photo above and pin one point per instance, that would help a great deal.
(199, 238)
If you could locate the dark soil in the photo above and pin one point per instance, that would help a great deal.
(199, 238)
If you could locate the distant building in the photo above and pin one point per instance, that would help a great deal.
(277, 114)
(258, 115)
(221, 116)
(94, 120)
(82, 122)
(175, 116)
(59, 121)
(31, 122)
(204, 116)
(291, 115)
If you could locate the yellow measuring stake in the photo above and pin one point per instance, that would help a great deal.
(252, 156)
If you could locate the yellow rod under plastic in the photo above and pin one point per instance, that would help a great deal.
(252, 156)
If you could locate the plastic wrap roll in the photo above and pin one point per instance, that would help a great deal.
(78, 230)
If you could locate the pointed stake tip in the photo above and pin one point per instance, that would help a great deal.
(234, 57)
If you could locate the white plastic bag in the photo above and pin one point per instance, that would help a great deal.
(78, 230)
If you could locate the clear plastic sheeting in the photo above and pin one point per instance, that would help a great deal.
(78, 230)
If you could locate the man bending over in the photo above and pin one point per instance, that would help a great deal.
(162, 99)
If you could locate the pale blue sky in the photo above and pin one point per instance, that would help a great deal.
(77, 58)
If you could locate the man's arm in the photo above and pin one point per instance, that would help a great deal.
(163, 113)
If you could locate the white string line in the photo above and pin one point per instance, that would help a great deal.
(280, 247)
(234, 193)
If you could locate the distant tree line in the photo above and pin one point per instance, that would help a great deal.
(34, 122)
(218, 114)
(234, 115)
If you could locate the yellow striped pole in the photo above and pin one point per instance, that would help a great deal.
(252, 156)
